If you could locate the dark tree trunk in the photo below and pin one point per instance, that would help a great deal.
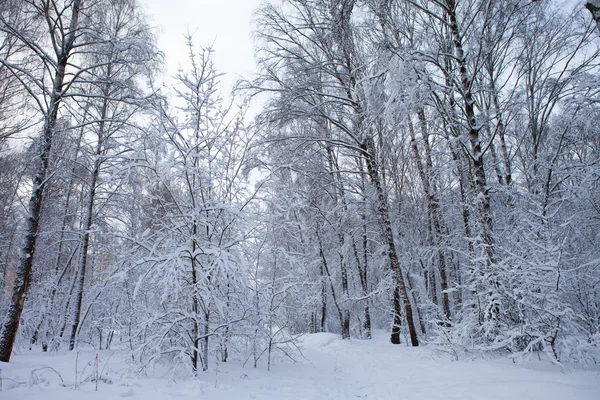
(195, 302)
(82, 264)
(362, 274)
(389, 237)
(88, 221)
(395, 337)
(23, 272)
(205, 341)
(323, 322)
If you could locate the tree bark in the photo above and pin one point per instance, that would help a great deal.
(323, 321)
(397, 321)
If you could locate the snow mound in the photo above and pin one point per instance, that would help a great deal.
(319, 340)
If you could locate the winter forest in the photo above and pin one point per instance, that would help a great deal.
(425, 169)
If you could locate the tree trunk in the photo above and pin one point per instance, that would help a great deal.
(501, 132)
(323, 322)
(362, 275)
(397, 321)
(88, 221)
(389, 237)
(483, 197)
(82, 264)
(364, 282)
(205, 341)
(195, 302)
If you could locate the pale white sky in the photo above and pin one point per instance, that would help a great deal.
(226, 23)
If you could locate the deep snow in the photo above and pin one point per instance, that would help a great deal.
(330, 369)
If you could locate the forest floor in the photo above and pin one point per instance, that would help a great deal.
(329, 369)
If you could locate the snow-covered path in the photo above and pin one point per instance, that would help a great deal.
(379, 370)
(332, 369)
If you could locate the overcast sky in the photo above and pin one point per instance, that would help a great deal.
(226, 23)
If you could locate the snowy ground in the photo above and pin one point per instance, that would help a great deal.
(332, 369)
